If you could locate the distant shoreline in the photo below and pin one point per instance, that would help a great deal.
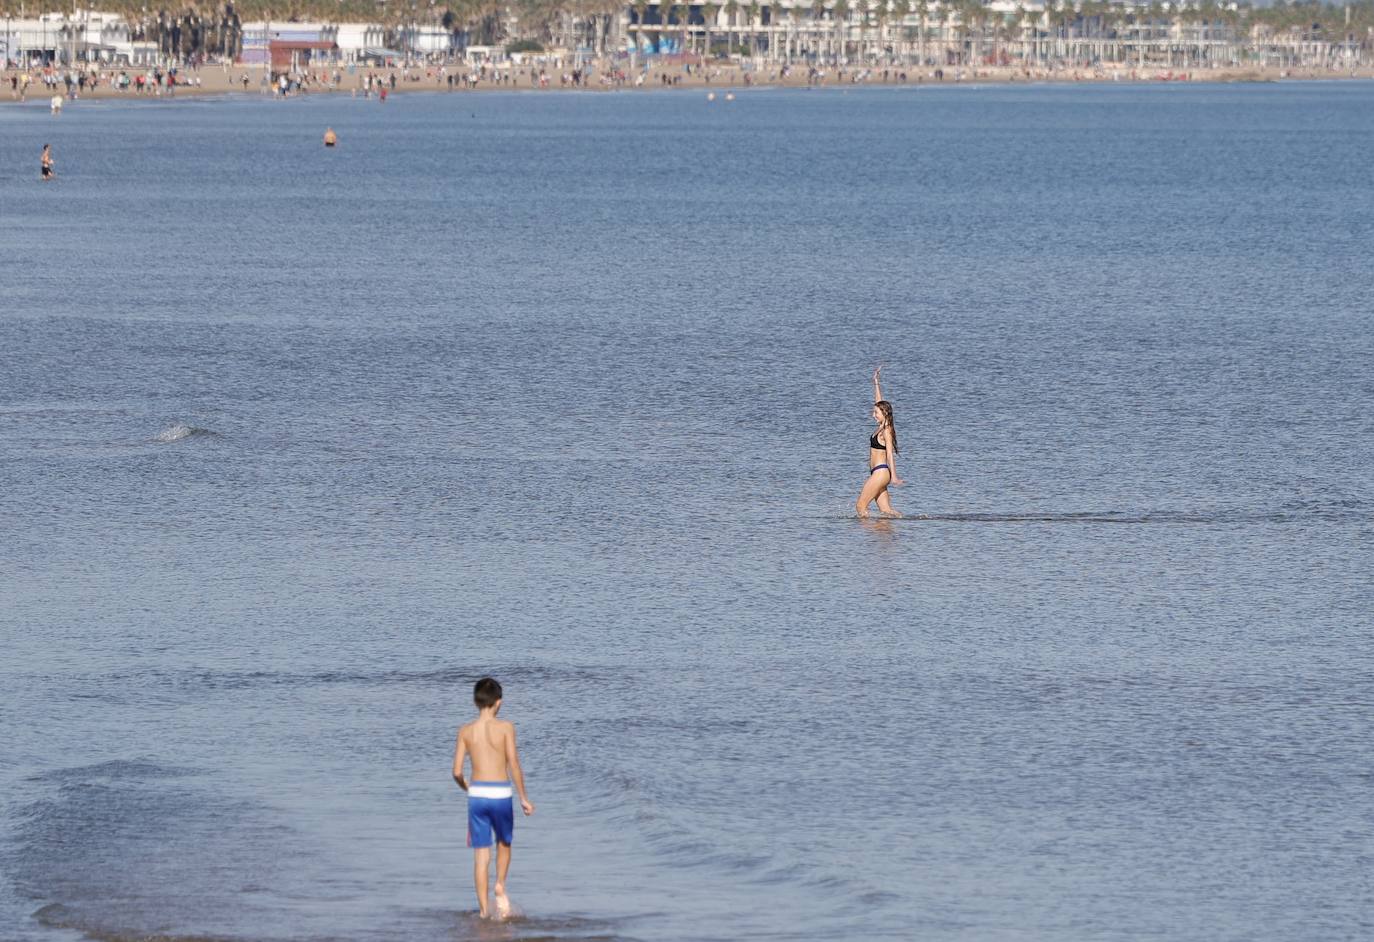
(216, 81)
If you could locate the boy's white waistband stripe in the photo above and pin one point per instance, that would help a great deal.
(489, 791)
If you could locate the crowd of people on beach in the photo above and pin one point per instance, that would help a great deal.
(613, 73)
(73, 83)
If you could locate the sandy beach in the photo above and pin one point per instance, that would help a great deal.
(250, 80)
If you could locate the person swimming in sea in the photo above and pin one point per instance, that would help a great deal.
(882, 457)
(47, 162)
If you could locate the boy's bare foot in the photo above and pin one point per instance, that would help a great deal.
(502, 902)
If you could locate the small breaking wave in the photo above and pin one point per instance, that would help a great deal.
(1333, 511)
(180, 432)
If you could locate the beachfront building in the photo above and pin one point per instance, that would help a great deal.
(1033, 34)
(88, 36)
(423, 42)
(484, 55)
(837, 31)
(292, 46)
(30, 41)
(103, 37)
(289, 45)
(363, 42)
(50, 39)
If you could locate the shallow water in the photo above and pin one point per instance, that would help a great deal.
(572, 389)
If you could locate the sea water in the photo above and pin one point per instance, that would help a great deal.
(574, 390)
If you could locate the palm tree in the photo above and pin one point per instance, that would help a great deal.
(641, 8)
(1087, 15)
(859, 9)
(1153, 14)
(979, 17)
(776, 12)
(1066, 17)
(1119, 30)
(682, 12)
(709, 12)
(795, 14)
(966, 11)
(880, 16)
(840, 11)
(752, 10)
(665, 16)
(948, 16)
(817, 14)
(1234, 18)
(901, 9)
(922, 16)
(1021, 16)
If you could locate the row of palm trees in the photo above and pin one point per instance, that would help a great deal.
(928, 30)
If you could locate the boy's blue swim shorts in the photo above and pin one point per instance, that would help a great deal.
(491, 812)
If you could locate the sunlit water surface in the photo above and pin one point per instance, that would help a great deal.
(573, 389)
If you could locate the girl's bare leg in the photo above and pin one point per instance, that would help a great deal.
(885, 504)
(875, 485)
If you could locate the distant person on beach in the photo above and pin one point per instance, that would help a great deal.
(882, 456)
(47, 162)
(489, 744)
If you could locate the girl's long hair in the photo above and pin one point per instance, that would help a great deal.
(885, 408)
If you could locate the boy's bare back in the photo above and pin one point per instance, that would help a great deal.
(490, 745)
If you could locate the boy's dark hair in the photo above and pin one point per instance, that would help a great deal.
(486, 692)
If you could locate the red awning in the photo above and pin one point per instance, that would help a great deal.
(282, 50)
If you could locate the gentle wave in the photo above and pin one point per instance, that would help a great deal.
(179, 432)
(59, 916)
(155, 845)
(456, 677)
(114, 770)
(1347, 510)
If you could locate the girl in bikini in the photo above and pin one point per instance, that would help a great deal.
(882, 457)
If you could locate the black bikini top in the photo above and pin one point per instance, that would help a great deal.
(875, 444)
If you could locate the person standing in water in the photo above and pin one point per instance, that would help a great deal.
(882, 456)
(47, 162)
(490, 745)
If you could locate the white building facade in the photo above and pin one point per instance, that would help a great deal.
(67, 39)
(358, 41)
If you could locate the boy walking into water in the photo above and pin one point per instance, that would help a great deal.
(489, 744)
